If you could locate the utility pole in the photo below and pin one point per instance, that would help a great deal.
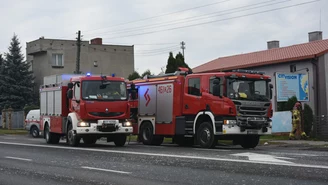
(183, 47)
(78, 44)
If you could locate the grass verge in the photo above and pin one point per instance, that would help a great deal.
(13, 131)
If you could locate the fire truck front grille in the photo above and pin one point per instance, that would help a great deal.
(253, 111)
(106, 114)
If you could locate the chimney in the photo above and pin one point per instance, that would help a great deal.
(314, 36)
(96, 41)
(273, 44)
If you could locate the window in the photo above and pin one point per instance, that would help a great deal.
(212, 85)
(292, 68)
(57, 60)
(77, 91)
(194, 86)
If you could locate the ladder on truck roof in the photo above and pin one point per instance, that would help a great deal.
(181, 71)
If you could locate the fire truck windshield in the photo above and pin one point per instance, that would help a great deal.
(248, 89)
(104, 91)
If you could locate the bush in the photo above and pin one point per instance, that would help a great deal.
(27, 108)
(308, 119)
(287, 106)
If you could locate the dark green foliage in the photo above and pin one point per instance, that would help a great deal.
(174, 63)
(16, 80)
(171, 64)
(27, 108)
(308, 119)
(147, 72)
(287, 106)
(134, 75)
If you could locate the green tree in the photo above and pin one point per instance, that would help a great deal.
(174, 63)
(134, 75)
(147, 72)
(18, 80)
(171, 64)
(2, 82)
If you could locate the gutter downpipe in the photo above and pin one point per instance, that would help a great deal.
(314, 62)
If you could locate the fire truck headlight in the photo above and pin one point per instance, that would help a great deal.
(230, 122)
(83, 124)
(127, 124)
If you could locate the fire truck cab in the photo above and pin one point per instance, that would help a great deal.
(203, 107)
(84, 107)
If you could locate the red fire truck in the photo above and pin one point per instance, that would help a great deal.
(202, 108)
(84, 107)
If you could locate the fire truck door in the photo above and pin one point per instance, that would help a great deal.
(192, 100)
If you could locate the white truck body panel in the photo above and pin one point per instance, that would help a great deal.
(157, 100)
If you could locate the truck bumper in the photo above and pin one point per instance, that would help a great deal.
(236, 130)
(93, 130)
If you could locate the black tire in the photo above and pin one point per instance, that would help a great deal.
(120, 140)
(250, 141)
(146, 132)
(51, 138)
(157, 140)
(72, 139)
(184, 141)
(34, 131)
(205, 136)
(89, 140)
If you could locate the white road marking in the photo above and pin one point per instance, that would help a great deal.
(293, 154)
(262, 157)
(17, 158)
(8, 138)
(106, 170)
(168, 155)
(216, 150)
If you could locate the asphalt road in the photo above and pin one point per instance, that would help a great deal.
(25, 160)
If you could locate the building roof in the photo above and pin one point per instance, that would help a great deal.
(271, 56)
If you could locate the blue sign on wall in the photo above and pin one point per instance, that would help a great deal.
(288, 85)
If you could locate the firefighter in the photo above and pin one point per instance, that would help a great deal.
(297, 127)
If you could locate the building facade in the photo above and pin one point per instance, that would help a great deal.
(310, 59)
(54, 56)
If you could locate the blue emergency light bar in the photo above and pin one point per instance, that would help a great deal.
(88, 74)
(248, 71)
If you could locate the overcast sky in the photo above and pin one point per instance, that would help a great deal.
(220, 27)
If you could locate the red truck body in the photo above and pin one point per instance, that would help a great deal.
(76, 107)
(184, 106)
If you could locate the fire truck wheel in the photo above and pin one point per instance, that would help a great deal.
(205, 136)
(250, 141)
(89, 140)
(146, 132)
(72, 139)
(51, 138)
(157, 140)
(34, 131)
(120, 140)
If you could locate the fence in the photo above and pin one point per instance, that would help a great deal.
(12, 120)
(321, 123)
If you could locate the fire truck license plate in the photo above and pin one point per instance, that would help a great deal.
(109, 122)
(252, 132)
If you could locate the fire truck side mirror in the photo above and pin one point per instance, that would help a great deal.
(271, 92)
(70, 85)
(70, 94)
(133, 94)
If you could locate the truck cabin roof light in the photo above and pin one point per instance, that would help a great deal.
(88, 74)
(113, 75)
(248, 71)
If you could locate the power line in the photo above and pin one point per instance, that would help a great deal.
(145, 50)
(246, 15)
(158, 51)
(161, 15)
(193, 18)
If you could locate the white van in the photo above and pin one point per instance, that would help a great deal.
(32, 122)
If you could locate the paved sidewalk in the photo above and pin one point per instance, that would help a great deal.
(299, 142)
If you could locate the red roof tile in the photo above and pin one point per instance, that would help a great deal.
(271, 56)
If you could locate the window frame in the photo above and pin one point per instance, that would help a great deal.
(199, 89)
(56, 62)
